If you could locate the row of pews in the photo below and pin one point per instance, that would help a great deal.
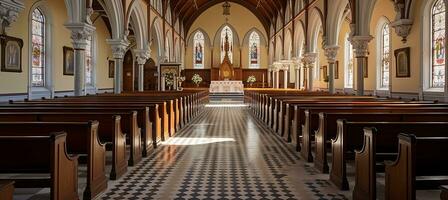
(406, 140)
(46, 141)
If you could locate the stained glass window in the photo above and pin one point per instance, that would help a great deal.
(254, 50)
(385, 57)
(438, 44)
(226, 31)
(38, 45)
(198, 50)
(349, 64)
(89, 63)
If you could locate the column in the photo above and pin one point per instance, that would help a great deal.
(285, 74)
(296, 64)
(80, 32)
(142, 56)
(118, 50)
(309, 60)
(269, 76)
(277, 78)
(361, 50)
(331, 52)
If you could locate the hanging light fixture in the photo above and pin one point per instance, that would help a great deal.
(226, 8)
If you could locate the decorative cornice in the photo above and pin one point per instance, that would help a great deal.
(331, 52)
(9, 12)
(361, 45)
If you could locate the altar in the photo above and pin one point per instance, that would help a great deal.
(227, 87)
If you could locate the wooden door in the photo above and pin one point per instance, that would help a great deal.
(150, 77)
(128, 72)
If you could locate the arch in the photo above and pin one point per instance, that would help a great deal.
(114, 11)
(363, 21)
(217, 38)
(263, 40)
(338, 10)
(278, 49)
(314, 28)
(139, 25)
(206, 37)
(380, 53)
(48, 68)
(288, 45)
(299, 38)
(427, 49)
(156, 37)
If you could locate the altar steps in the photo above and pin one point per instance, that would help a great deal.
(239, 97)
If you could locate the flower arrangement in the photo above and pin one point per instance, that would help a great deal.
(197, 79)
(169, 79)
(251, 79)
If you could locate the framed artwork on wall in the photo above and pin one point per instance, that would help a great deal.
(69, 61)
(11, 54)
(403, 60)
(111, 68)
(324, 72)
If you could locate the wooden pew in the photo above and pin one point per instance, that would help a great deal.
(147, 116)
(328, 129)
(40, 154)
(166, 111)
(82, 138)
(419, 165)
(316, 108)
(6, 190)
(380, 143)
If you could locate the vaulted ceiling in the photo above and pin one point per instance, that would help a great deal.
(265, 10)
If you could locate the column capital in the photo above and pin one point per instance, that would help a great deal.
(361, 45)
(9, 12)
(119, 47)
(80, 33)
(309, 58)
(331, 52)
(142, 55)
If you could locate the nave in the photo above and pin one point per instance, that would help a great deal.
(224, 154)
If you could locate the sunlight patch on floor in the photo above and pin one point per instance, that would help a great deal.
(187, 141)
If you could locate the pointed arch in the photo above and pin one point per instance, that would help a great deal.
(299, 38)
(156, 37)
(263, 40)
(314, 27)
(206, 37)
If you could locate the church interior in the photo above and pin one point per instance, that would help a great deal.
(223, 99)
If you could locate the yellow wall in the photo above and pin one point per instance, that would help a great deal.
(211, 20)
(60, 36)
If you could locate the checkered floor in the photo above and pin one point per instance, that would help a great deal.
(224, 154)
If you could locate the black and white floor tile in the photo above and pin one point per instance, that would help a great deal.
(224, 154)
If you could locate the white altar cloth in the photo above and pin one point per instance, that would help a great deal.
(227, 87)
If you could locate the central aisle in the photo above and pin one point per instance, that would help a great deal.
(223, 153)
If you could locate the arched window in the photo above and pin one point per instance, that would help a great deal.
(226, 31)
(349, 63)
(89, 62)
(198, 46)
(38, 47)
(385, 57)
(254, 50)
(438, 45)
